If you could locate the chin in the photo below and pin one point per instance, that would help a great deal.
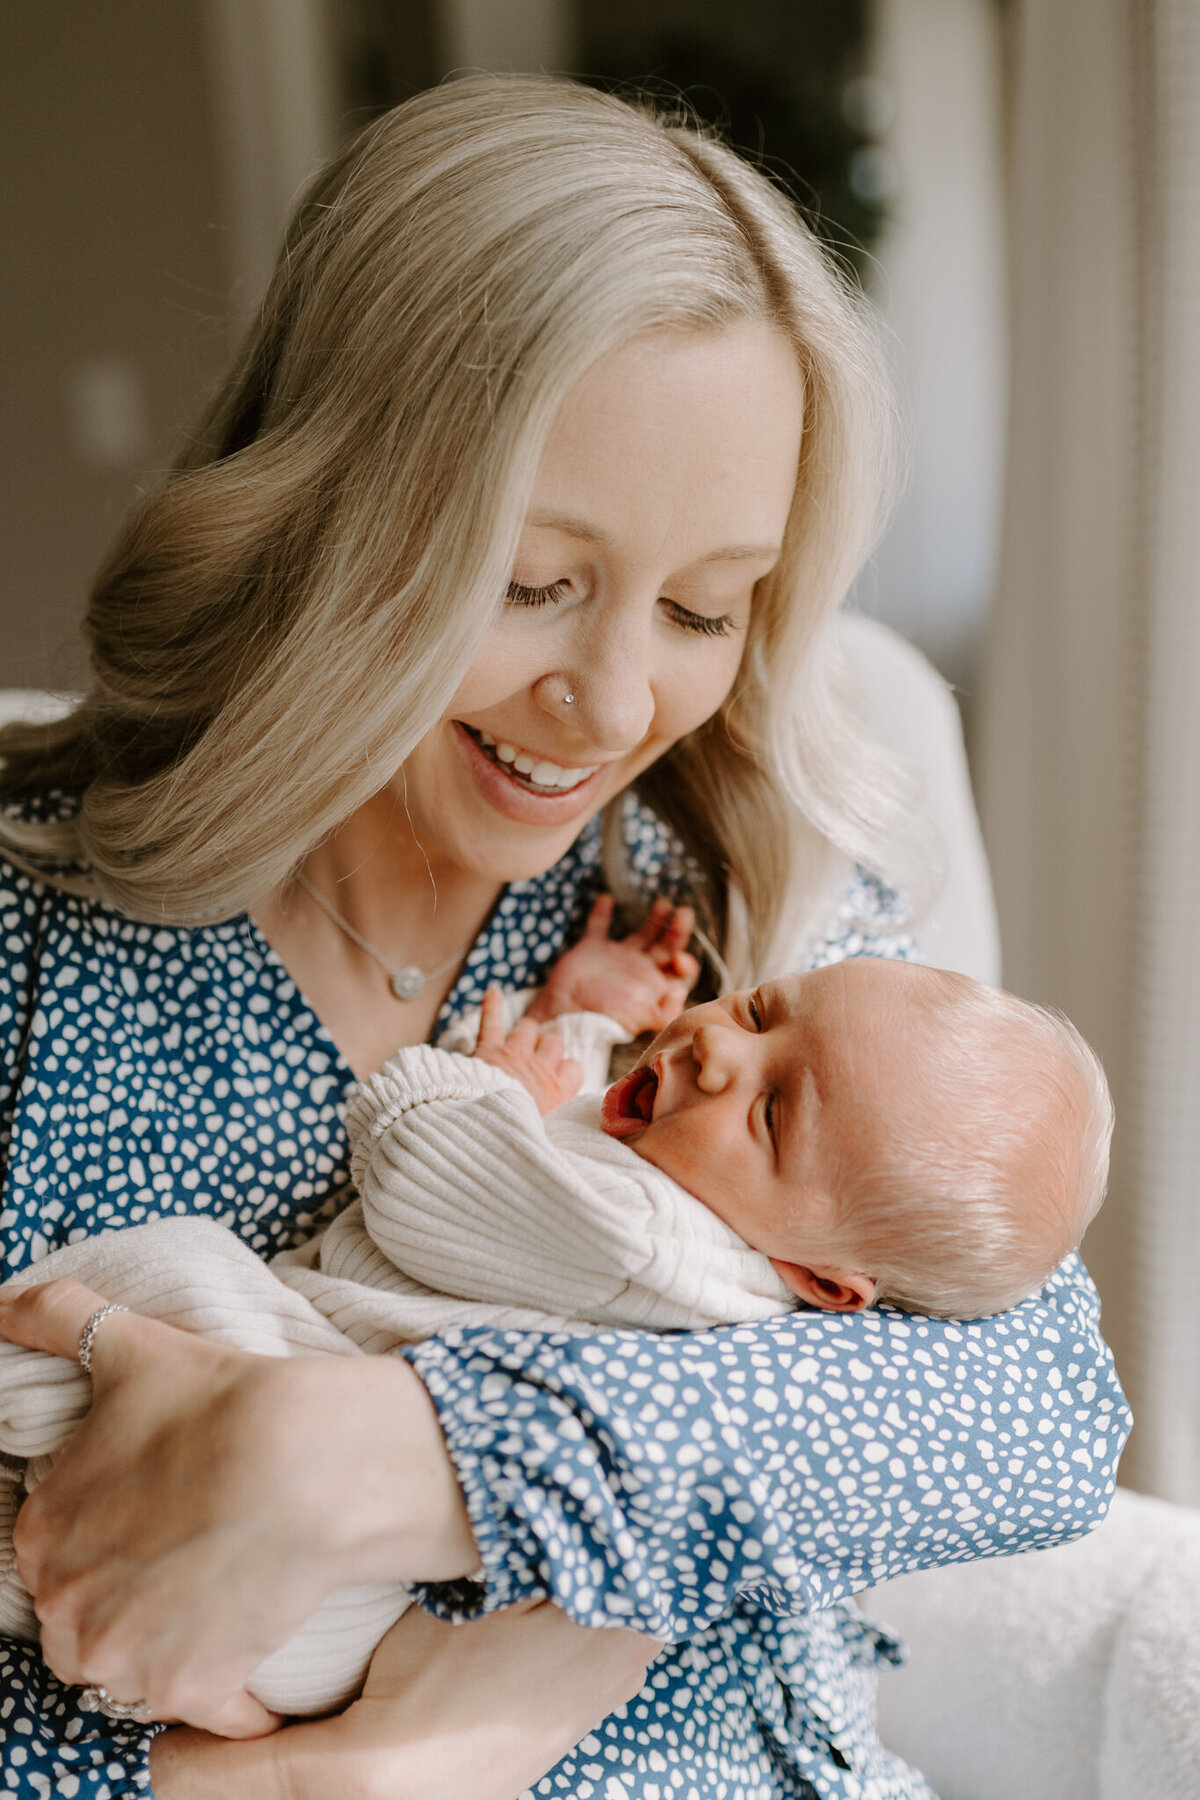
(513, 852)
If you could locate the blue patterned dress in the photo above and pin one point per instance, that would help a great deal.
(725, 1491)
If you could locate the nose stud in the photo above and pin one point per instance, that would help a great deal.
(557, 692)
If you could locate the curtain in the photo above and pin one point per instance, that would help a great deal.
(1089, 731)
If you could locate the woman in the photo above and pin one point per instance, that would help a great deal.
(501, 573)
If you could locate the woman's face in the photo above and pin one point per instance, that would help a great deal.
(660, 502)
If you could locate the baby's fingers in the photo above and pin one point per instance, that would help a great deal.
(491, 1021)
(549, 1048)
(684, 966)
(669, 1004)
(649, 933)
(569, 1075)
(600, 917)
(676, 933)
(525, 1035)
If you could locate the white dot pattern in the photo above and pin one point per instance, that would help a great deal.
(702, 1488)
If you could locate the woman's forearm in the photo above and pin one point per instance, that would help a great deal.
(653, 1480)
(409, 1520)
(464, 1712)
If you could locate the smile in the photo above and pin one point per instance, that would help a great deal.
(536, 774)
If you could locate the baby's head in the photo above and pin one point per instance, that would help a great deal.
(881, 1131)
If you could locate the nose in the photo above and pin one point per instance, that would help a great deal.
(714, 1055)
(611, 677)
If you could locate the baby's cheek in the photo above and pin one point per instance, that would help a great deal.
(683, 1149)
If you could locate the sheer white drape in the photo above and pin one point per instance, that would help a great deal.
(1089, 751)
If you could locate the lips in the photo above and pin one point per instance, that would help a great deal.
(506, 790)
(537, 773)
(628, 1106)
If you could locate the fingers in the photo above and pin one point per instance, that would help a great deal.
(664, 936)
(686, 967)
(51, 1316)
(570, 1077)
(669, 1004)
(240, 1717)
(550, 1048)
(600, 917)
(491, 1021)
(652, 926)
(677, 930)
(530, 1037)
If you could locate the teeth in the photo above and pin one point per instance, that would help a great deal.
(542, 774)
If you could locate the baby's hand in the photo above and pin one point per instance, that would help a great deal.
(643, 981)
(533, 1052)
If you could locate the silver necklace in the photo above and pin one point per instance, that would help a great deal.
(408, 982)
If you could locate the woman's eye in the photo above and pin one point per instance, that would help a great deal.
(700, 623)
(755, 1011)
(521, 595)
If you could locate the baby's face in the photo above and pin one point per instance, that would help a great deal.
(763, 1103)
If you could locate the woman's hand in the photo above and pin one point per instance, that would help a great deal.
(211, 1499)
(463, 1712)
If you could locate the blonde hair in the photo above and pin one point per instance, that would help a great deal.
(280, 625)
(974, 1215)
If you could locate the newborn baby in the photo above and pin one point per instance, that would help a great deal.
(880, 1131)
(868, 1131)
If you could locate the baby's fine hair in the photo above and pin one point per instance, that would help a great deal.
(973, 1216)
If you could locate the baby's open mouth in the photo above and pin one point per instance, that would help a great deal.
(536, 775)
(629, 1103)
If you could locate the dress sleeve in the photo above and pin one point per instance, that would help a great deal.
(651, 1481)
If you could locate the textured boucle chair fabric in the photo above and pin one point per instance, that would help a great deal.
(1067, 1674)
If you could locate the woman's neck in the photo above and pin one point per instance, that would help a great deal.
(377, 878)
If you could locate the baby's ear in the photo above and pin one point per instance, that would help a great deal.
(833, 1290)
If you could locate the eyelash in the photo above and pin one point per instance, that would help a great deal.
(753, 1008)
(521, 595)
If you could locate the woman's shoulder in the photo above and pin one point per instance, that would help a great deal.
(863, 916)
(50, 914)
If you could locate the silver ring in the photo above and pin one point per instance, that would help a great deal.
(87, 1338)
(98, 1699)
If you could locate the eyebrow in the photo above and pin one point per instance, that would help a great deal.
(593, 534)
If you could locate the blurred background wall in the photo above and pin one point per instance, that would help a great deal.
(1016, 183)
(152, 148)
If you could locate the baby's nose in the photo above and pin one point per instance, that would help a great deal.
(712, 1055)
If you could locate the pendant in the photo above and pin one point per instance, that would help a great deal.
(407, 983)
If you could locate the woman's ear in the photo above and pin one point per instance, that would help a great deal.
(833, 1290)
